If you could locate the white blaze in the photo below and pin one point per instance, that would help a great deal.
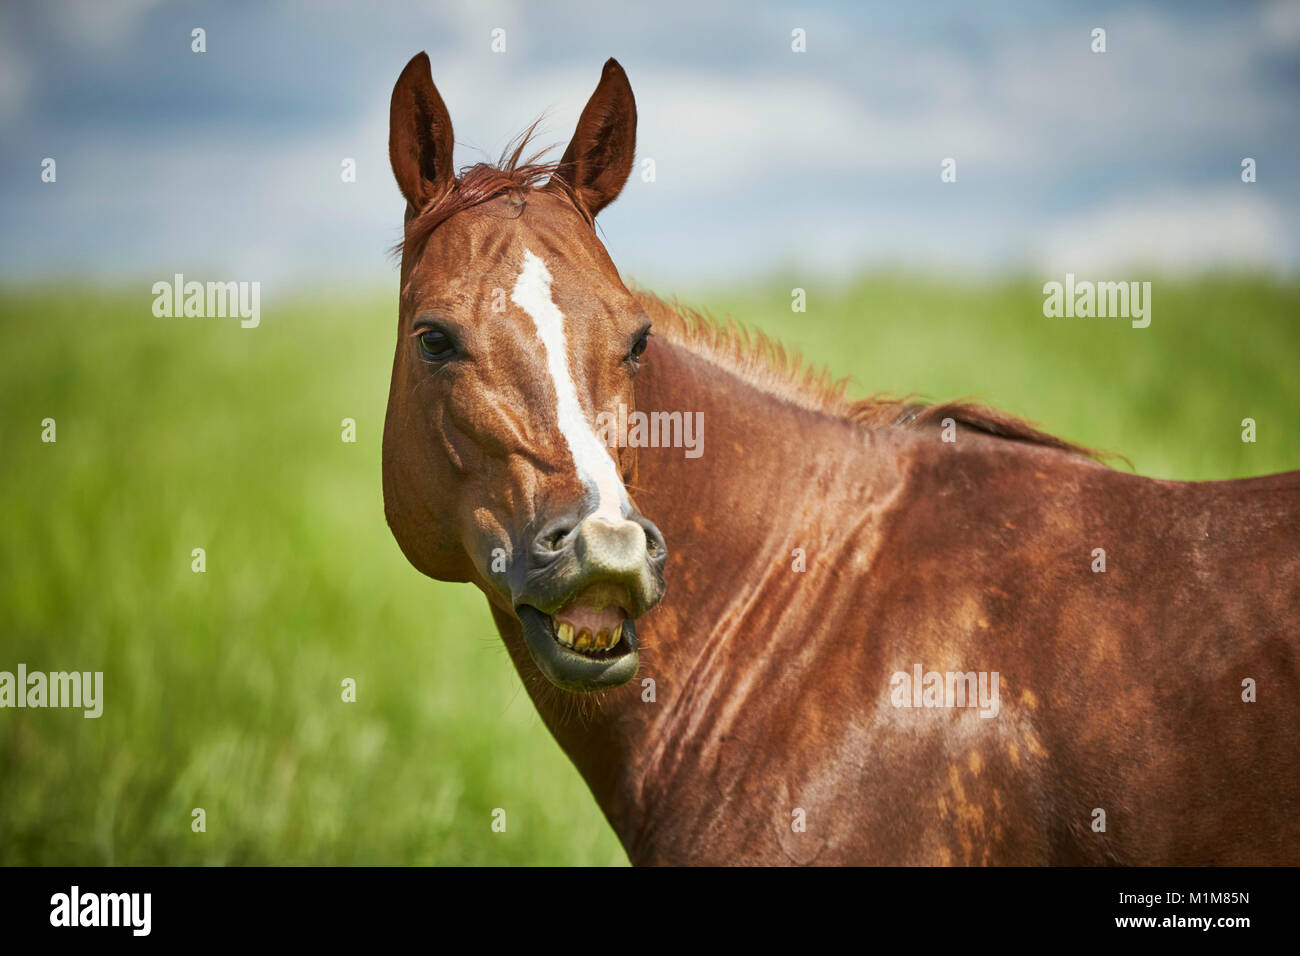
(595, 467)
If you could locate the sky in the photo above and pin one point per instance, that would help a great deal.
(226, 164)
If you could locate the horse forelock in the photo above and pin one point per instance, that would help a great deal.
(478, 183)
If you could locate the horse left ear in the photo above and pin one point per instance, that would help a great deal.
(599, 158)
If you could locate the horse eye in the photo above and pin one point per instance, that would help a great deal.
(639, 346)
(436, 345)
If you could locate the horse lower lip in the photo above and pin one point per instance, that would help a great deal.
(570, 668)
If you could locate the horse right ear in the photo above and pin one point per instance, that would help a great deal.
(419, 136)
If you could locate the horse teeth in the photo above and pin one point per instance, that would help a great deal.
(585, 639)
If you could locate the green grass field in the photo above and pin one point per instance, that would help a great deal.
(222, 689)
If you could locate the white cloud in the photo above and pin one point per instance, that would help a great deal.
(15, 76)
(1175, 232)
(95, 24)
(1281, 20)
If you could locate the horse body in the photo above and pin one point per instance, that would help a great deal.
(1120, 690)
(835, 636)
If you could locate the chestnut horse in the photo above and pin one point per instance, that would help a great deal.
(884, 633)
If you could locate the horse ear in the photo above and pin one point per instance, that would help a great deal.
(419, 135)
(599, 158)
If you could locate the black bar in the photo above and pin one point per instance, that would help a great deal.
(332, 904)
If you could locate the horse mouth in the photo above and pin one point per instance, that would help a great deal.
(582, 647)
(592, 623)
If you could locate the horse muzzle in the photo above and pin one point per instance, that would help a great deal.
(584, 589)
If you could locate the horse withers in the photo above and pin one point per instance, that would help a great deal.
(881, 635)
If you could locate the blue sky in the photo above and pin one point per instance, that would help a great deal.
(226, 164)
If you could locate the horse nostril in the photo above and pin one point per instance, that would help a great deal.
(554, 537)
(654, 542)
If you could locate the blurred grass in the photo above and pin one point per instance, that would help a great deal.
(222, 689)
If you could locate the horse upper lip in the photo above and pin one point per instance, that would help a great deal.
(551, 595)
(601, 595)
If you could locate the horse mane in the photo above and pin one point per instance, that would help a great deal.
(765, 362)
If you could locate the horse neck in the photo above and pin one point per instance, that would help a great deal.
(773, 477)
